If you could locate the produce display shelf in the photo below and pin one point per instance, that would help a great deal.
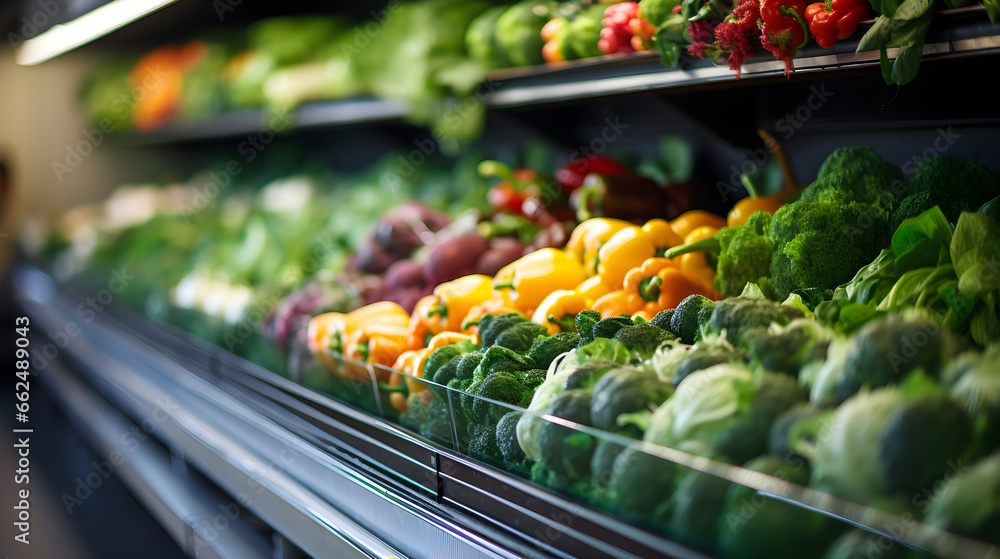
(958, 33)
(357, 486)
(234, 418)
(342, 113)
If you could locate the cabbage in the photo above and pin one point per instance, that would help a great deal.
(704, 406)
(597, 358)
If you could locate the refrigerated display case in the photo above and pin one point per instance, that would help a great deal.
(259, 451)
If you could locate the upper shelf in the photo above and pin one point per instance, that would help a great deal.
(964, 32)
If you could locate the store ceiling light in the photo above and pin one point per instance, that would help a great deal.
(97, 23)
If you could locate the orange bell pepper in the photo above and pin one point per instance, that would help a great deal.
(694, 264)
(657, 285)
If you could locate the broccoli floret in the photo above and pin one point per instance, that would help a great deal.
(444, 375)
(520, 337)
(564, 452)
(545, 349)
(500, 358)
(744, 255)
(439, 421)
(916, 204)
(685, 320)
(626, 391)
(532, 380)
(947, 178)
(501, 386)
(662, 319)
(738, 316)
(642, 339)
(467, 365)
(418, 412)
(884, 351)
(585, 322)
(483, 442)
(491, 326)
(823, 244)
(608, 327)
(856, 174)
(506, 436)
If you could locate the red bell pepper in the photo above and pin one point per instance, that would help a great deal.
(785, 30)
(836, 20)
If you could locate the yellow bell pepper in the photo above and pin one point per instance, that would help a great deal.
(688, 221)
(586, 239)
(592, 289)
(455, 299)
(529, 280)
(657, 285)
(694, 264)
(557, 311)
(630, 247)
(411, 362)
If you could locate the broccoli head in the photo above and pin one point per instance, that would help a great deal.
(745, 254)
(739, 316)
(585, 322)
(443, 375)
(856, 174)
(532, 380)
(502, 386)
(823, 244)
(491, 326)
(919, 202)
(685, 321)
(544, 350)
(947, 178)
(642, 339)
(608, 327)
(626, 391)
(498, 358)
(662, 319)
(418, 411)
(506, 437)
(483, 442)
(521, 336)
(467, 365)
